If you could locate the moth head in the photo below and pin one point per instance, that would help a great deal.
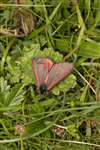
(43, 89)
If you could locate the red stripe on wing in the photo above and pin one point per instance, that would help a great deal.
(41, 68)
(57, 73)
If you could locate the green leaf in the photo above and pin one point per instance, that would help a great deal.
(65, 85)
(50, 53)
(62, 44)
(84, 94)
(89, 50)
(4, 92)
(16, 95)
(10, 96)
(54, 11)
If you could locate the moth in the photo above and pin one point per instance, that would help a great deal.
(48, 73)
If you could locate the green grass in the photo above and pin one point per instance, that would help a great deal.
(63, 30)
